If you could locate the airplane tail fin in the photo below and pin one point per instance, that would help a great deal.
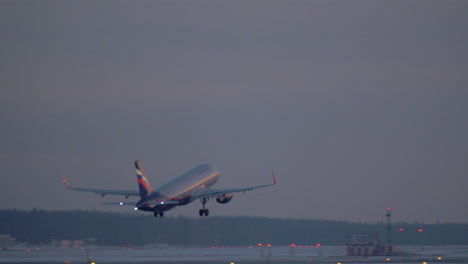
(143, 183)
(65, 182)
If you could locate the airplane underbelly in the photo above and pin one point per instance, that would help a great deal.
(157, 208)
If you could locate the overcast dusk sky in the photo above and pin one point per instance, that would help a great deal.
(356, 105)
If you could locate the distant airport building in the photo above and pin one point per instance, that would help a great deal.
(6, 241)
(71, 243)
(365, 244)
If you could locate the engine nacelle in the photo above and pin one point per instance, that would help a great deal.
(225, 198)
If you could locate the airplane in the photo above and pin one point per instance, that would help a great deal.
(190, 186)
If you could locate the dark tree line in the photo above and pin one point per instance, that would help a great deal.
(38, 226)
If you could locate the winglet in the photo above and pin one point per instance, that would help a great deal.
(274, 178)
(65, 182)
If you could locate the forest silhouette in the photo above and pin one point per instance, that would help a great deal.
(104, 228)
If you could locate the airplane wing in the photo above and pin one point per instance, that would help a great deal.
(217, 192)
(126, 193)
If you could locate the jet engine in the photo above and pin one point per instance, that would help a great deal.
(225, 198)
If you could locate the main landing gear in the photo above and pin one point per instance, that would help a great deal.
(204, 211)
(161, 214)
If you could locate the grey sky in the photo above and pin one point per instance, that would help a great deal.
(357, 105)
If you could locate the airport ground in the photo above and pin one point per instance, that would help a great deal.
(227, 255)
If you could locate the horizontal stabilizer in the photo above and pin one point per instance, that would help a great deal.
(162, 202)
(121, 203)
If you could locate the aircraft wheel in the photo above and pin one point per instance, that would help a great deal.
(207, 212)
(161, 214)
(201, 212)
(155, 214)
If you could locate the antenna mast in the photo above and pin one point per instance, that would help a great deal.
(389, 225)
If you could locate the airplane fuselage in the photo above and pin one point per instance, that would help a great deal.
(180, 189)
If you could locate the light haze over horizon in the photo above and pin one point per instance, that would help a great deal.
(356, 105)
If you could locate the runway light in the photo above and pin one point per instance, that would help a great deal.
(318, 245)
(121, 203)
(401, 229)
(420, 230)
(268, 245)
(439, 258)
(259, 245)
(136, 208)
(388, 259)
